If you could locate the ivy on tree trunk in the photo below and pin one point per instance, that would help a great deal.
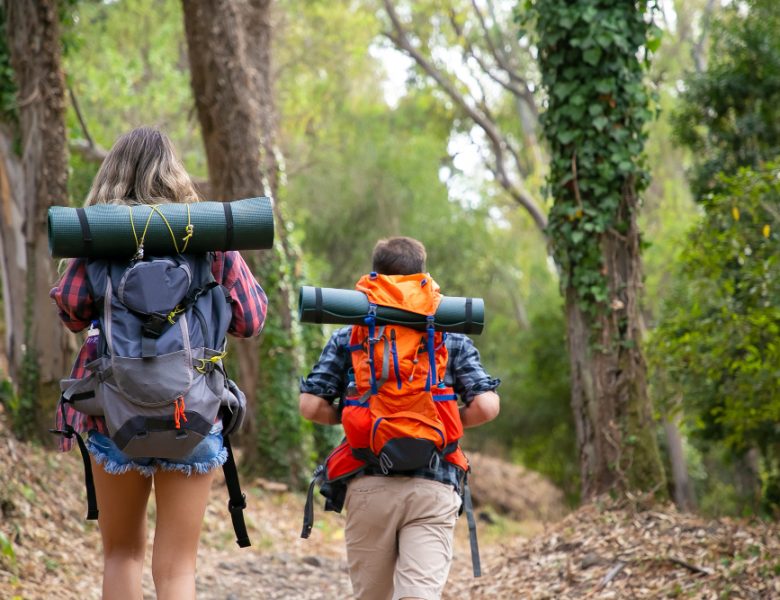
(589, 55)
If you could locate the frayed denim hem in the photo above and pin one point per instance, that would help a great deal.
(198, 467)
(113, 467)
(208, 455)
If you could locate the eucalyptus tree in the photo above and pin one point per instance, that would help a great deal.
(230, 52)
(33, 177)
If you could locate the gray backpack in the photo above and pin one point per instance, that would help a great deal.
(159, 379)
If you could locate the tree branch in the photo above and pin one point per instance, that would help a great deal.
(521, 85)
(522, 93)
(496, 140)
(87, 147)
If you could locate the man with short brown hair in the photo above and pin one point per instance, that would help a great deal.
(400, 525)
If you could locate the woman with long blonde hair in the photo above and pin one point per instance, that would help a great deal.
(142, 168)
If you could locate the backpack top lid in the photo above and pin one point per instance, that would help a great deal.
(417, 293)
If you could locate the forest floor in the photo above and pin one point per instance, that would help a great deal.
(529, 548)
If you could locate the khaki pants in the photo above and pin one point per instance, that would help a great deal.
(399, 536)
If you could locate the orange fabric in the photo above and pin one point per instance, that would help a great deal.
(458, 458)
(341, 462)
(393, 413)
(417, 293)
(178, 412)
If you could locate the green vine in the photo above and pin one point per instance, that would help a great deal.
(282, 439)
(8, 111)
(597, 106)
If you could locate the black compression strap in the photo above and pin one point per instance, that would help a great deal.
(469, 510)
(85, 231)
(308, 511)
(89, 482)
(237, 501)
(318, 305)
(469, 310)
(228, 225)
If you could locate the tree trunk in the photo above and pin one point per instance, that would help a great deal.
(229, 45)
(38, 347)
(13, 254)
(684, 496)
(612, 410)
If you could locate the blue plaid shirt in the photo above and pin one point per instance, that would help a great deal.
(329, 379)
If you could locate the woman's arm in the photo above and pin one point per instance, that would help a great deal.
(71, 295)
(249, 302)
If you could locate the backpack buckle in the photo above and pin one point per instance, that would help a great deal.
(237, 507)
(154, 325)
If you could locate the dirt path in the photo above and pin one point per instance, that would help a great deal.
(601, 551)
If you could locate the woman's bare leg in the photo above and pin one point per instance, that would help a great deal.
(122, 503)
(181, 506)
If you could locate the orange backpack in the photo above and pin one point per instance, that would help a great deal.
(398, 414)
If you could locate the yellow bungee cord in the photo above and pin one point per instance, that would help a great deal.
(189, 230)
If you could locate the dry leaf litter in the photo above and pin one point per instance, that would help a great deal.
(48, 550)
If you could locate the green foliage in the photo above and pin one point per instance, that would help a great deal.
(7, 553)
(597, 107)
(717, 345)
(8, 112)
(536, 425)
(360, 170)
(21, 407)
(127, 65)
(282, 443)
(730, 113)
(355, 170)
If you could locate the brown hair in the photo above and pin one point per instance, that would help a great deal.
(398, 256)
(142, 168)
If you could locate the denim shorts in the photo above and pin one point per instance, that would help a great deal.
(209, 454)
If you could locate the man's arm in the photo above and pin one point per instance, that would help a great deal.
(483, 407)
(327, 381)
(471, 382)
(317, 409)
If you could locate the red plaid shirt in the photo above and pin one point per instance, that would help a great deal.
(77, 310)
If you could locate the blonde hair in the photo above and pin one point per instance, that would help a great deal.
(142, 168)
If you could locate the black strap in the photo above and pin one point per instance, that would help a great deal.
(86, 234)
(469, 308)
(89, 482)
(308, 510)
(318, 305)
(237, 501)
(469, 508)
(228, 225)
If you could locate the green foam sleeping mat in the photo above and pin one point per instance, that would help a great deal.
(349, 307)
(111, 230)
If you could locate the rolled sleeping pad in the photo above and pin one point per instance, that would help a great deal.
(350, 307)
(106, 230)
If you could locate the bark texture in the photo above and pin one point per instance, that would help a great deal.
(29, 185)
(612, 410)
(230, 46)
